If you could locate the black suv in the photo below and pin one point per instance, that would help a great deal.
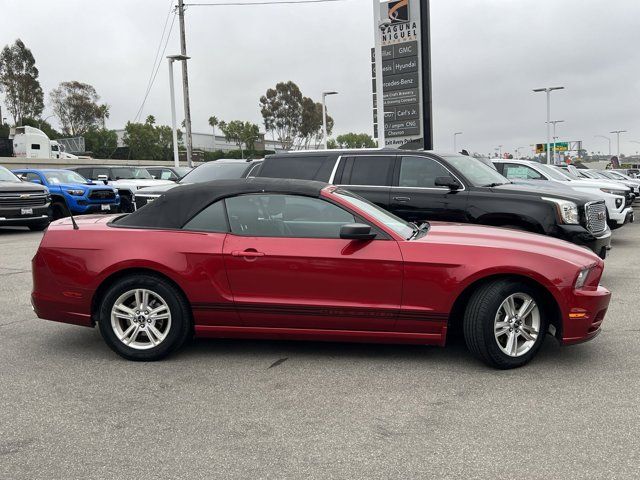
(23, 204)
(420, 186)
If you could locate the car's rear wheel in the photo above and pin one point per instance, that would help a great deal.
(505, 323)
(59, 210)
(143, 317)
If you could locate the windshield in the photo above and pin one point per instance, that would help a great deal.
(215, 171)
(7, 176)
(182, 171)
(565, 173)
(126, 173)
(64, 176)
(552, 172)
(479, 174)
(402, 228)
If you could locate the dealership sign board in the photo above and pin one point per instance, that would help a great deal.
(400, 48)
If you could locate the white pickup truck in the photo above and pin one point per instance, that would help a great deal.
(127, 179)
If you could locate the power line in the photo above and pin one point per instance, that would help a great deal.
(156, 60)
(267, 2)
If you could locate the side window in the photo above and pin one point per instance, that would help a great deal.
(100, 171)
(522, 172)
(211, 219)
(371, 170)
(167, 175)
(35, 146)
(420, 172)
(30, 177)
(291, 216)
(301, 168)
(85, 172)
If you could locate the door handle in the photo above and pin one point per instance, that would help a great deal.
(249, 253)
(402, 199)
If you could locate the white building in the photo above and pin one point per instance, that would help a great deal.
(205, 142)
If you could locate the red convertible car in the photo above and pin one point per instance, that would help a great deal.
(285, 259)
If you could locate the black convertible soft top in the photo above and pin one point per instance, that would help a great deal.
(179, 205)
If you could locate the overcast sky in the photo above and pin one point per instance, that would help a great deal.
(487, 55)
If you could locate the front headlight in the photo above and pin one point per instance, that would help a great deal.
(582, 278)
(567, 210)
(77, 193)
(611, 191)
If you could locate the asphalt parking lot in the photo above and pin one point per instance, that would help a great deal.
(71, 408)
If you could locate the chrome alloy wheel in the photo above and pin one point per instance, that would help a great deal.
(517, 324)
(141, 319)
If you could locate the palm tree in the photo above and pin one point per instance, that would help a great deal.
(103, 110)
(213, 121)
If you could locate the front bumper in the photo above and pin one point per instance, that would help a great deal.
(15, 217)
(623, 217)
(586, 311)
(599, 244)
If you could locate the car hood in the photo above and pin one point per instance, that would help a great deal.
(157, 190)
(598, 184)
(507, 239)
(546, 191)
(84, 186)
(22, 187)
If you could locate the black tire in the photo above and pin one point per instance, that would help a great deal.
(126, 204)
(39, 227)
(479, 320)
(179, 330)
(59, 210)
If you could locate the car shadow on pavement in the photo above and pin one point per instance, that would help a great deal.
(76, 342)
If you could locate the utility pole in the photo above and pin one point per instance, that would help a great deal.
(618, 132)
(185, 84)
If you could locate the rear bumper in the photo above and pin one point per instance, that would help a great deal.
(599, 244)
(52, 300)
(586, 311)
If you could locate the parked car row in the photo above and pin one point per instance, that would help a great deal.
(33, 197)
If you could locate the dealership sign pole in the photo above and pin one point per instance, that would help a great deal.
(402, 74)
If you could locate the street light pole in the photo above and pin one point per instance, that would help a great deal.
(324, 117)
(618, 132)
(548, 91)
(455, 144)
(174, 128)
(607, 139)
(555, 123)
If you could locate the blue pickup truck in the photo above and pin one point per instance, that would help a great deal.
(71, 191)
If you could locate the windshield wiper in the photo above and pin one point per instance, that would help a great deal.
(491, 185)
(418, 229)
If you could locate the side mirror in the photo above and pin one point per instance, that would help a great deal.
(449, 182)
(36, 180)
(356, 231)
(103, 178)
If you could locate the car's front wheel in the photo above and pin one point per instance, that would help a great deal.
(505, 323)
(144, 318)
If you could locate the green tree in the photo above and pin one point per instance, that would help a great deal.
(100, 142)
(146, 141)
(19, 82)
(311, 124)
(104, 110)
(355, 140)
(76, 106)
(281, 109)
(241, 133)
(213, 123)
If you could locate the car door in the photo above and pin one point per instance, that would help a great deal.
(367, 175)
(288, 268)
(415, 196)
